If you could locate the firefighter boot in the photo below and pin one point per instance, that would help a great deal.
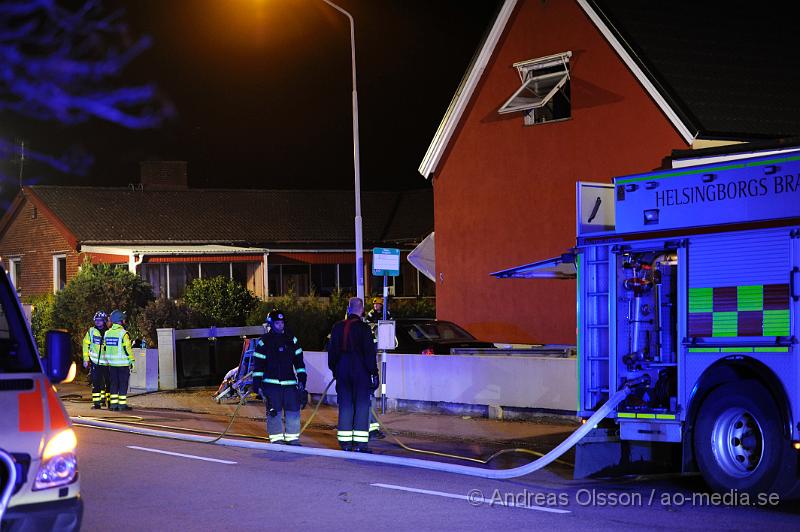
(361, 448)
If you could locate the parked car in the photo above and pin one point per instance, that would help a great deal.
(432, 337)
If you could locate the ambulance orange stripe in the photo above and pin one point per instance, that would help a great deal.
(31, 413)
(57, 419)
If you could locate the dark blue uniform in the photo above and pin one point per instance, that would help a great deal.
(352, 359)
(278, 368)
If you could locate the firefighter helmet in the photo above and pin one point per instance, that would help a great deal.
(275, 315)
(377, 300)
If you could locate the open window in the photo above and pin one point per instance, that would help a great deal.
(544, 93)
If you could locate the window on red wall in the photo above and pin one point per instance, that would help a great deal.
(544, 93)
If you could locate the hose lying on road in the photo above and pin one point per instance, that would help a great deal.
(535, 465)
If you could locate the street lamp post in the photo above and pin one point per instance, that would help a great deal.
(356, 158)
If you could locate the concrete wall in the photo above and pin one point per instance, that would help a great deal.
(548, 383)
(518, 381)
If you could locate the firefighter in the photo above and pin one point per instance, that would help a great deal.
(279, 374)
(351, 358)
(93, 354)
(118, 351)
(376, 312)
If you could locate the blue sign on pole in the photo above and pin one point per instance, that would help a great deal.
(386, 261)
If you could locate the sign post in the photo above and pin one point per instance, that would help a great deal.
(385, 262)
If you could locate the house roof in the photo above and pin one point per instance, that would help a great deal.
(730, 68)
(289, 218)
(718, 70)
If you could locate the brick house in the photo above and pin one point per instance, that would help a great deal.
(270, 241)
(562, 91)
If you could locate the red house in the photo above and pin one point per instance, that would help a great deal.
(563, 91)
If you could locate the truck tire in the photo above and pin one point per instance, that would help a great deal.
(739, 442)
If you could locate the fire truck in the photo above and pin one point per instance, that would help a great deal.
(688, 291)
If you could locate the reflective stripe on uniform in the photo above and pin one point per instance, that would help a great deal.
(292, 437)
(276, 381)
(258, 374)
(275, 437)
(259, 355)
(344, 435)
(298, 351)
(361, 436)
(301, 370)
(374, 426)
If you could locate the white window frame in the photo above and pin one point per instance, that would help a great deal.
(533, 71)
(13, 271)
(56, 277)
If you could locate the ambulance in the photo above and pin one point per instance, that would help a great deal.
(39, 487)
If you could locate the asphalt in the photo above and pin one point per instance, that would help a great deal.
(195, 408)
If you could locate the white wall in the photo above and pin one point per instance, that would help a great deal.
(511, 381)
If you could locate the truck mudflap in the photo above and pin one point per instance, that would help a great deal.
(62, 516)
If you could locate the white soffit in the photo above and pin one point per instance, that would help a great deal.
(721, 158)
(170, 250)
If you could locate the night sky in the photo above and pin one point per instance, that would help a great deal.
(262, 92)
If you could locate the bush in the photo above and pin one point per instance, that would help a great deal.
(162, 313)
(413, 308)
(219, 301)
(99, 287)
(310, 319)
(41, 317)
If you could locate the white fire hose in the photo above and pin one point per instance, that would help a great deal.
(535, 465)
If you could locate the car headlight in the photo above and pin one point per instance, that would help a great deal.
(59, 463)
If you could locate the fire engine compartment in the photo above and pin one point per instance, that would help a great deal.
(646, 335)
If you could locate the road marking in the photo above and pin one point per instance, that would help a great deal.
(149, 450)
(472, 499)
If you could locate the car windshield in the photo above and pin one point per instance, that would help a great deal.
(16, 353)
(437, 330)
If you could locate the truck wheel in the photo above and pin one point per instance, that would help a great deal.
(738, 440)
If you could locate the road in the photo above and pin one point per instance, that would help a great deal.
(133, 482)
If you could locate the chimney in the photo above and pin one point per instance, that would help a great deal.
(163, 175)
